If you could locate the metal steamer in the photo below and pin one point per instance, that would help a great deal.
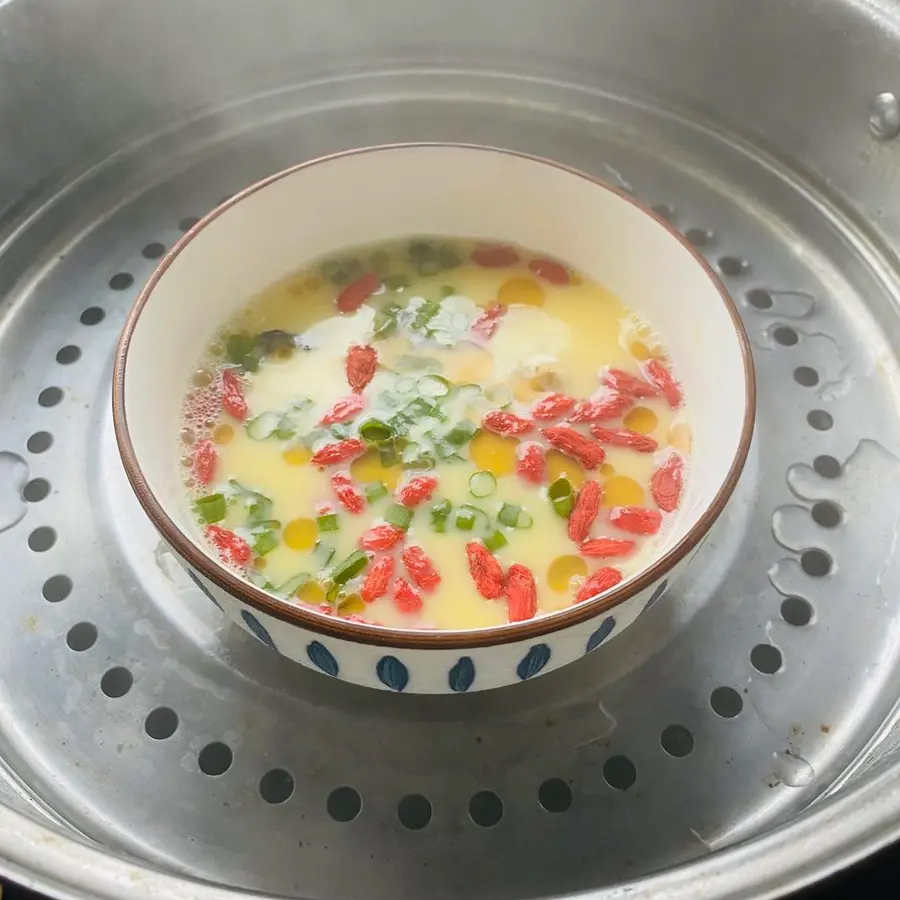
(739, 741)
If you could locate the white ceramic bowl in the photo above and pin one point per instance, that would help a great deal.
(360, 197)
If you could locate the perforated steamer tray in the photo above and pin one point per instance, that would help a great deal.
(736, 742)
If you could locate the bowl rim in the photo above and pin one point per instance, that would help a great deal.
(409, 638)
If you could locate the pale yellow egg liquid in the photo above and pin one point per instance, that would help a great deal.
(552, 337)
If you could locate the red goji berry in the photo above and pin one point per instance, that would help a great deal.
(666, 483)
(361, 364)
(549, 270)
(521, 593)
(421, 569)
(377, 579)
(606, 547)
(233, 401)
(597, 583)
(625, 383)
(350, 496)
(486, 572)
(418, 489)
(505, 423)
(584, 512)
(486, 324)
(233, 549)
(623, 437)
(588, 452)
(665, 382)
(552, 406)
(357, 292)
(530, 462)
(343, 409)
(636, 519)
(332, 454)
(206, 461)
(406, 598)
(381, 537)
(494, 256)
(600, 409)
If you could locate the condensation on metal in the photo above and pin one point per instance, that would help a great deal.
(133, 715)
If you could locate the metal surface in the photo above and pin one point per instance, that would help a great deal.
(730, 719)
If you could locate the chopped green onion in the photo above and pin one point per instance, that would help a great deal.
(471, 516)
(287, 428)
(350, 567)
(292, 585)
(263, 426)
(333, 271)
(440, 512)
(341, 431)
(428, 267)
(424, 314)
(385, 321)
(499, 395)
(510, 516)
(494, 541)
(332, 592)
(417, 249)
(560, 496)
(211, 508)
(264, 542)
(398, 516)
(375, 431)
(259, 508)
(417, 457)
(375, 490)
(461, 433)
(465, 520)
(448, 257)
(423, 408)
(482, 484)
(328, 522)
(322, 554)
(239, 346)
(387, 454)
(260, 580)
(447, 291)
(396, 282)
(434, 386)
(405, 385)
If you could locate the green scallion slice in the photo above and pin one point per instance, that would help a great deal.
(440, 512)
(396, 282)
(375, 490)
(461, 433)
(561, 497)
(465, 519)
(434, 386)
(292, 585)
(350, 567)
(263, 426)
(322, 554)
(495, 541)
(328, 522)
(499, 395)
(239, 346)
(428, 267)
(211, 508)
(472, 517)
(399, 516)
(482, 484)
(447, 290)
(387, 454)
(264, 542)
(513, 516)
(375, 431)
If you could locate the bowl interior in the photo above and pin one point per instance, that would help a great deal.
(367, 196)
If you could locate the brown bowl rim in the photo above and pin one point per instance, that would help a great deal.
(412, 639)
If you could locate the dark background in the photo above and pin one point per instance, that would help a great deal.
(876, 877)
